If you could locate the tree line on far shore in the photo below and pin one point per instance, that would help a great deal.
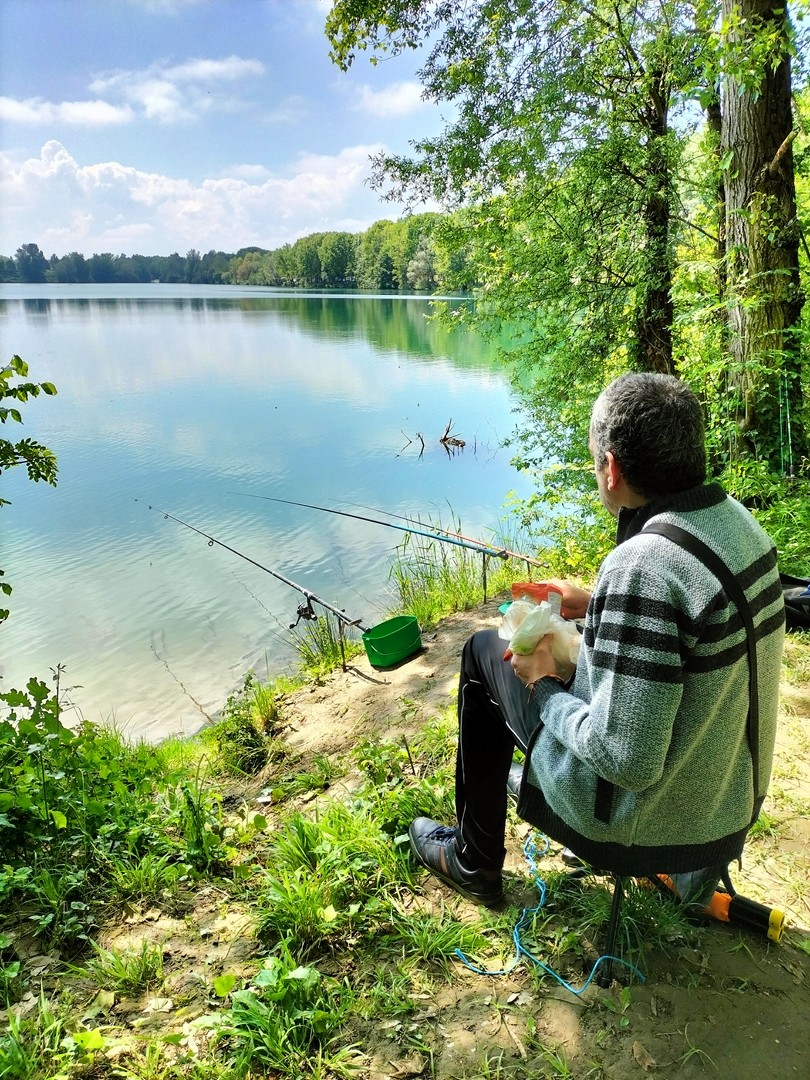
(406, 254)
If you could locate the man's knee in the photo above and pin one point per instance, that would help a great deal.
(480, 648)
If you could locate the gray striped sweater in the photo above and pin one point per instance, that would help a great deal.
(655, 718)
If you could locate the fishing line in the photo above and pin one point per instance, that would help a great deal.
(304, 610)
(370, 601)
(181, 684)
(530, 852)
(278, 636)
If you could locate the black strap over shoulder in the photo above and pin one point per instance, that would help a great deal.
(714, 563)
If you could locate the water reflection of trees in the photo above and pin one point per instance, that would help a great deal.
(387, 323)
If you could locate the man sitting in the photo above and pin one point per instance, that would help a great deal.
(639, 764)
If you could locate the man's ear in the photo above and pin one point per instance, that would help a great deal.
(614, 472)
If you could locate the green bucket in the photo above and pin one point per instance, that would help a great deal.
(392, 641)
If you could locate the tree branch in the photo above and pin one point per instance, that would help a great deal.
(773, 168)
(692, 225)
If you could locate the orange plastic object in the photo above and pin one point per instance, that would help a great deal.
(533, 590)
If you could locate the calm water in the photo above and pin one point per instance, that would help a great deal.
(191, 398)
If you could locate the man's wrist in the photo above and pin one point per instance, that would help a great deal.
(547, 678)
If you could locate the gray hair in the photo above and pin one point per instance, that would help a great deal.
(653, 425)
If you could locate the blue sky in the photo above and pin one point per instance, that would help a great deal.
(154, 126)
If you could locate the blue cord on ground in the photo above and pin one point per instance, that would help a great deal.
(531, 854)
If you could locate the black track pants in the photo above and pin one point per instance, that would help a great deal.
(495, 714)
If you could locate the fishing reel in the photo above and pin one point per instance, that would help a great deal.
(306, 612)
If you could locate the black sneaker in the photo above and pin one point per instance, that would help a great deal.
(435, 846)
(570, 859)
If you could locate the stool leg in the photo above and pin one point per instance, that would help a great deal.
(604, 976)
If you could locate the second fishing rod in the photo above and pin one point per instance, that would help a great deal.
(485, 550)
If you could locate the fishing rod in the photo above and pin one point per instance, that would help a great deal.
(304, 610)
(504, 552)
(464, 542)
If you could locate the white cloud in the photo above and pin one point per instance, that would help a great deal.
(176, 93)
(232, 67)
(63, 206)
(398, 99)
(88, 113)
(168, 94)
(246, 172)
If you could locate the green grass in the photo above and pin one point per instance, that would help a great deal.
(288, 1020)
(244, 738)
(331, 879)
(126, 971)
(39, 1046)
(144, 879)
(324, 643)
(358, 938)
(354, 942)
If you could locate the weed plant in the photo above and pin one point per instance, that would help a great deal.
(409, 780)
(324, 643)
(387, 763)
(145, 879)
(86, 818)
(421, 936)
(288, 1020)
(433, 580)
(243, 739)
(10, 973)
(331, 879)
(321, 773)
(649, 921)
(40, 1046)
(125, 971)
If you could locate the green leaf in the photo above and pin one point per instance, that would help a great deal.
(306, 975)
(89, 1040)
(223, 984)
(59, 819)
(268, 976)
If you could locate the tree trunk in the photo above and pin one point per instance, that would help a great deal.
(714, 125)
(762, 241)
(652, 345)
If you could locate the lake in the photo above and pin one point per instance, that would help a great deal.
(192, 399)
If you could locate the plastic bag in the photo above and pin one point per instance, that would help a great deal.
(525, 622)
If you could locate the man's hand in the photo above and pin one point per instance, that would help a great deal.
(537, 664)
(574, 599)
